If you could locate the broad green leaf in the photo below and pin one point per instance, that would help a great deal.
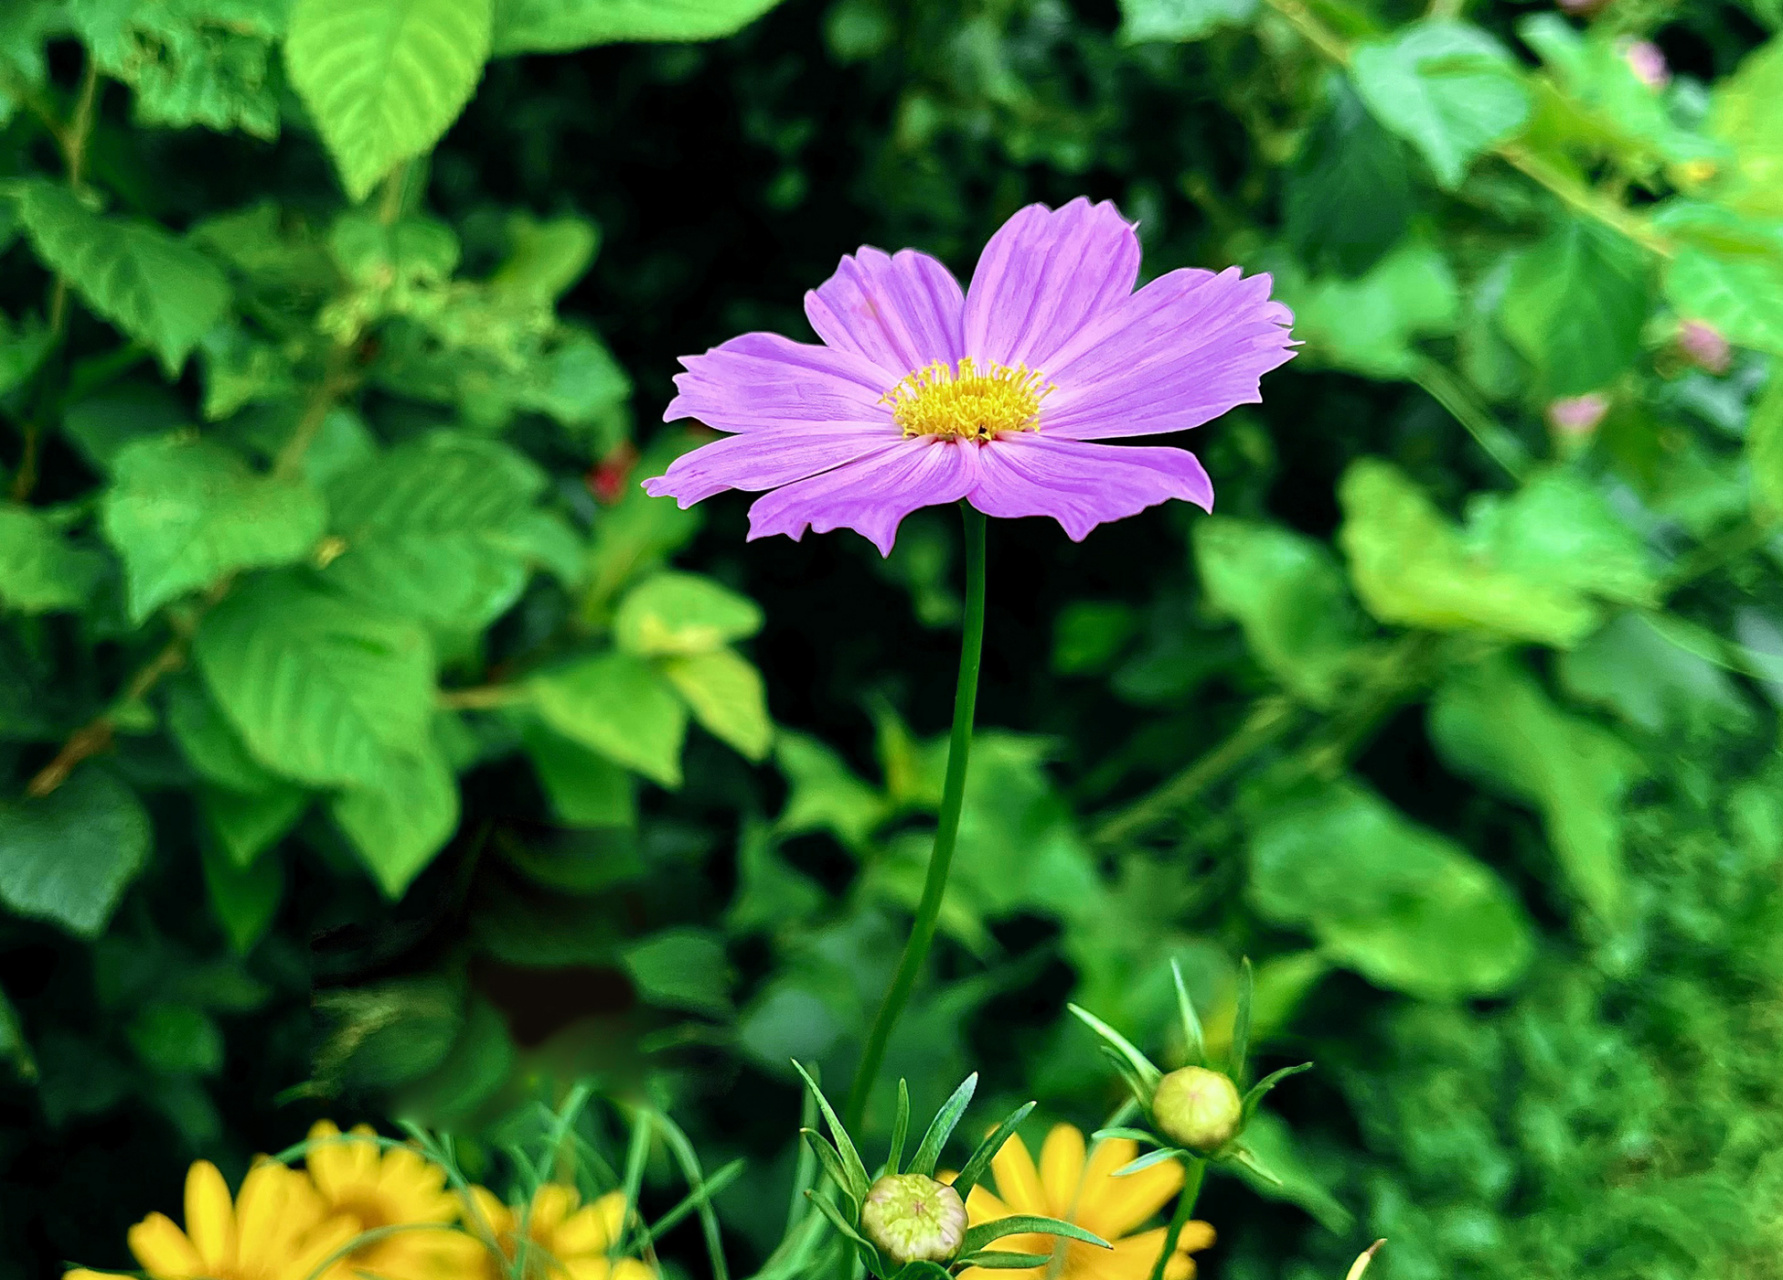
(682, 613)
(1764, 451)
(1597, 99)
(1559, 530)
(681, 969)
(1368, 324)
(1176, 20)
(1575, 306)
(211, 743)
(244, 899)
(388, 1033)
(824, 794)
(727, 696)
(1634, 668)
(1400, 904)
(617, 704)
(321, 690)
(437, 529)
(207, 62)
(586, 789)
(546, 257)
(384, 79)
(557, 26)
(1494, 723)
(1728, 271)
(22, 350)
(1411, 567)
(403, 817)
(1747, 114)
(1288, 594)
(638, 533)
(1448, 88)
(247, 823)
(158, 290)
(39, 571)
(477, 1066)
(184, 513)
(25, 28)
(176, 1039)
(68, 857)
(14, 1048)
(1349, 196)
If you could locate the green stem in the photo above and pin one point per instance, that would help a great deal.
(953, 794)
(1193, 1171)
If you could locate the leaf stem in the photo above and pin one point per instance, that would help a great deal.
(953, 794)
(1442, 385)
(1194, 1170)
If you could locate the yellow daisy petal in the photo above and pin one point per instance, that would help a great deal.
(551, 1204)
(210, 1216)
(318, 1245)
(261, 1205)
(1061, 1168)
(163, 1250)
(1017, 1180)
(1180, 1267)
(583, 1232)
(983, 1206)
(595, 1268)
(611, 1208)
(1196, 1236)
(632, 1269)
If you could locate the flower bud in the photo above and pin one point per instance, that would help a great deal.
(1197, 1108)
(1646, 61)
(1705, 346)
(913, 1218)
(1578, 416)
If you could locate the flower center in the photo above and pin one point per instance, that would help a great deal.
(940, 401)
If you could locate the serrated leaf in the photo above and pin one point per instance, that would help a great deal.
(682, 613)
(1370, 324)
(1575, 306)
(244, 899)
(585, 788)
(403, 818)
(727, 697)
(211, 744)
(557, 26)
(617, 704)
(69, 856)
(39, 571)
(247, 823)
(1448, 88)
(321, 690)
(1349, 195)
(384, 79)
(184, 513)
(1177, 20)
(1728, 271)
(158, 290)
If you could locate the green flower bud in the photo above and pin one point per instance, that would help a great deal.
(1198, 1109)
(913, 1218)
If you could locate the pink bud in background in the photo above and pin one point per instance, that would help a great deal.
(1579, 6)
(1647, 63)
(1705, 346)
(1578, 415)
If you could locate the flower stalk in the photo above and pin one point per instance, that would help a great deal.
(953, 794)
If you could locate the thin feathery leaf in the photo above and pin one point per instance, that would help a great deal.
(1147, 1160)
(981, 1159)
(900, 1127)
(832, 1164)
(1143, 1067)
(699, 1196)
(928, 1151)
(1195, 1042)
(1246, 1158)
(1141, 1095)
(1254, 1098)
(1241, 1024)
(851, 1159)
(837, 1221)
(805, 1173)
(1121, 1131)
(998, 1260)
(1026, 1224)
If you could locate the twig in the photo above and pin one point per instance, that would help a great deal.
(336, 378)
(1453, 394)
(485, 697)
(96, 735)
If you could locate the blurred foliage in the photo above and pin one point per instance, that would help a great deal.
(377, 748)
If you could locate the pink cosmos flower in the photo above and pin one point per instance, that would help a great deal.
(1002, 395)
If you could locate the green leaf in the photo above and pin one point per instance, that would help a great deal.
(389, 1033)
(243, 898)
(1653, 678)
(320, 690)
(14, 1048)
(400, 820)
(210, 743)
(1559, 530)
(250, 822)
(824, 793)
(727, 697)
(176, 1039)
(1002, 1260)
(1446, 87)
(980, 1159)
(22, 351)
(618, 705)
(68, 857)
(207, 62)
(1746, 113)
(184, 513)
(546, 257)
(682, 613)
(1369, 324)
(856, 1172)
(1143, 1067)
(1026, 1224)
(1349, 195)
(557, 26)
(585, 789)
(1140, 1164)
(1575, 306)
(1728, 271)
(934, 1138)
(1178, 20)
(1764, 451)
(436, 529)
(1254, 1096)
(39, 571)
(384, 79)
(681, 969)
(1401, 905)
(159, 291)
(900, 1129)
(1288, 593)
(1494, 723)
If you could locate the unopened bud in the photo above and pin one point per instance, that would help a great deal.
(1577, 416)
(913, 1218)
(1197, 1108)
(1647, 62)
(1705, 346)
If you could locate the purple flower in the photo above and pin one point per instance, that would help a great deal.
(1002, 395)
(1705, 346)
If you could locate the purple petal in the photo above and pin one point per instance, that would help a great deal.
(760, 381)
(1180, 352)
(901, 311)
(1082, 485)
(871, 494)
(1043, 276)
(760, 460)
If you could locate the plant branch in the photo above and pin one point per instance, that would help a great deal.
(96, 735)
(1493, 437)
(336, 378)
(953, 794)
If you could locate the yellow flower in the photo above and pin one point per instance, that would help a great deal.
(1085, 1193)
(277, 1228)
(393, 1187)
(564, 1242)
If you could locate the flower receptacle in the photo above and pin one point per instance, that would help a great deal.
(1198, 1109)
(910, 1217)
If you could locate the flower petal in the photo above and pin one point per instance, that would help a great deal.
(1017, 1180)
(163, 1250)
(1129, 1201)
(1180, 352)
(901, 311)
(1061, 1169)
(210, 1215)
(760, 460)
(872, 494)
(1082, 485)
(761, 380)
(1043, 276)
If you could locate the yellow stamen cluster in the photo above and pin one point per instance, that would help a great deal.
(939, 401)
